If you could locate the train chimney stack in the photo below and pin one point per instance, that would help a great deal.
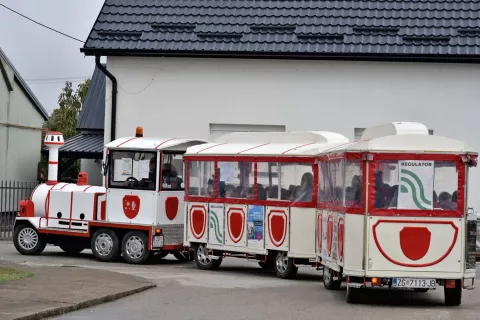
(53, 141)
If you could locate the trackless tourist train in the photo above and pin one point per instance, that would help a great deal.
(388, 211)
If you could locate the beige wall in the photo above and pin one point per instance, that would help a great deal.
(19, 147)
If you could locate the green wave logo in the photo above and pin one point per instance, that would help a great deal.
(413, 181)
(215, 225)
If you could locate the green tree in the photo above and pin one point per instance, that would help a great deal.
(64, 120)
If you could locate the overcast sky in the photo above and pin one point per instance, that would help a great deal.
(39, 53)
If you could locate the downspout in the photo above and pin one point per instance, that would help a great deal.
(114, 96)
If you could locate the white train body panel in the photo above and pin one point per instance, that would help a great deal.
(415, 247)
(354, 244)
(302, 232)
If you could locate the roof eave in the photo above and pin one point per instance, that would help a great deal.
(281, 55)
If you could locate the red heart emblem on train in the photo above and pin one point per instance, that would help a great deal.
(131, 206)
(319, 235)
(278, 227)
(198, 222)
(329, 234)
(236, 224)
(171, 207)
(415, 242)
(341, 228)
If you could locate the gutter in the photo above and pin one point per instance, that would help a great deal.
(113, 119)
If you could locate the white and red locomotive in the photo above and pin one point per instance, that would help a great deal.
(139, 211)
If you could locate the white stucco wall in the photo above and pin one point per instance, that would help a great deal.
(19, 147)
(181, 97)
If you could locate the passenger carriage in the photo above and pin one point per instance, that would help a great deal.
(392, 212)
(253, 195)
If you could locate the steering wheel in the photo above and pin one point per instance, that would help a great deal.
(134, 179)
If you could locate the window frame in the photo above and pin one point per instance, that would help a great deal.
(461, 169)
(159, 171)
(255, 160)
(111, 169)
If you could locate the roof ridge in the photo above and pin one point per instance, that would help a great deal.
(25, 86)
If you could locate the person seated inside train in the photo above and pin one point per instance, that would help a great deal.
(170, 177)
(273, 193)
(262, 195)
(445, 201)
(304, 194)
(378, 189)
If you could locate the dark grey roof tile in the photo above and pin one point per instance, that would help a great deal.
(256, 26)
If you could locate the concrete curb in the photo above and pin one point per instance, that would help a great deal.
(85, 304)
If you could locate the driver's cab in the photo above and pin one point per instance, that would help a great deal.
(145, 178)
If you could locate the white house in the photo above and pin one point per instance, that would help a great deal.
(21, 119)
(199, 69)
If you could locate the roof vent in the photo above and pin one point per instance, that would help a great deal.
(469, 31)
(427, 39)
(273, 28)
(376, 30)
(134, 34)
(393, 129)
(173, 27)
(320, 37)
(219, 36)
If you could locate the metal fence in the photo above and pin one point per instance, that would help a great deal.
(11, 193)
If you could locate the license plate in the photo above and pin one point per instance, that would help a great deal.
(157, 241)
(413, 283)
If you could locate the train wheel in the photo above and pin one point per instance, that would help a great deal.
(284, 267)
(453, 296)
(328, 281)
(105, 245)
(352, 294)
(204, 260)
(72, 249)
(27, 240)
(135, 247)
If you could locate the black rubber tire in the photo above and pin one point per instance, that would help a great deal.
(146, 252)
(453, 296)
(212, 264)
(352, 295)
(72, 249)
(114, 253)
(328, 282)
(290, 271)
(37, 249)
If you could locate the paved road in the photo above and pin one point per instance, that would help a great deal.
(241, 290)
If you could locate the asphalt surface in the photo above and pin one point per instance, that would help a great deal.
(240, 289)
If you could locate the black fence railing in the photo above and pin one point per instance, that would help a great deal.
(11, 193)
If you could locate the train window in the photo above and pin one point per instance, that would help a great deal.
(267, 180)
(133, 170)
(334, 182)
(236, 179)
(322, 175)
(416, 185)
(353, 184)
(172, 172)
(201, 178)
(297, 182)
